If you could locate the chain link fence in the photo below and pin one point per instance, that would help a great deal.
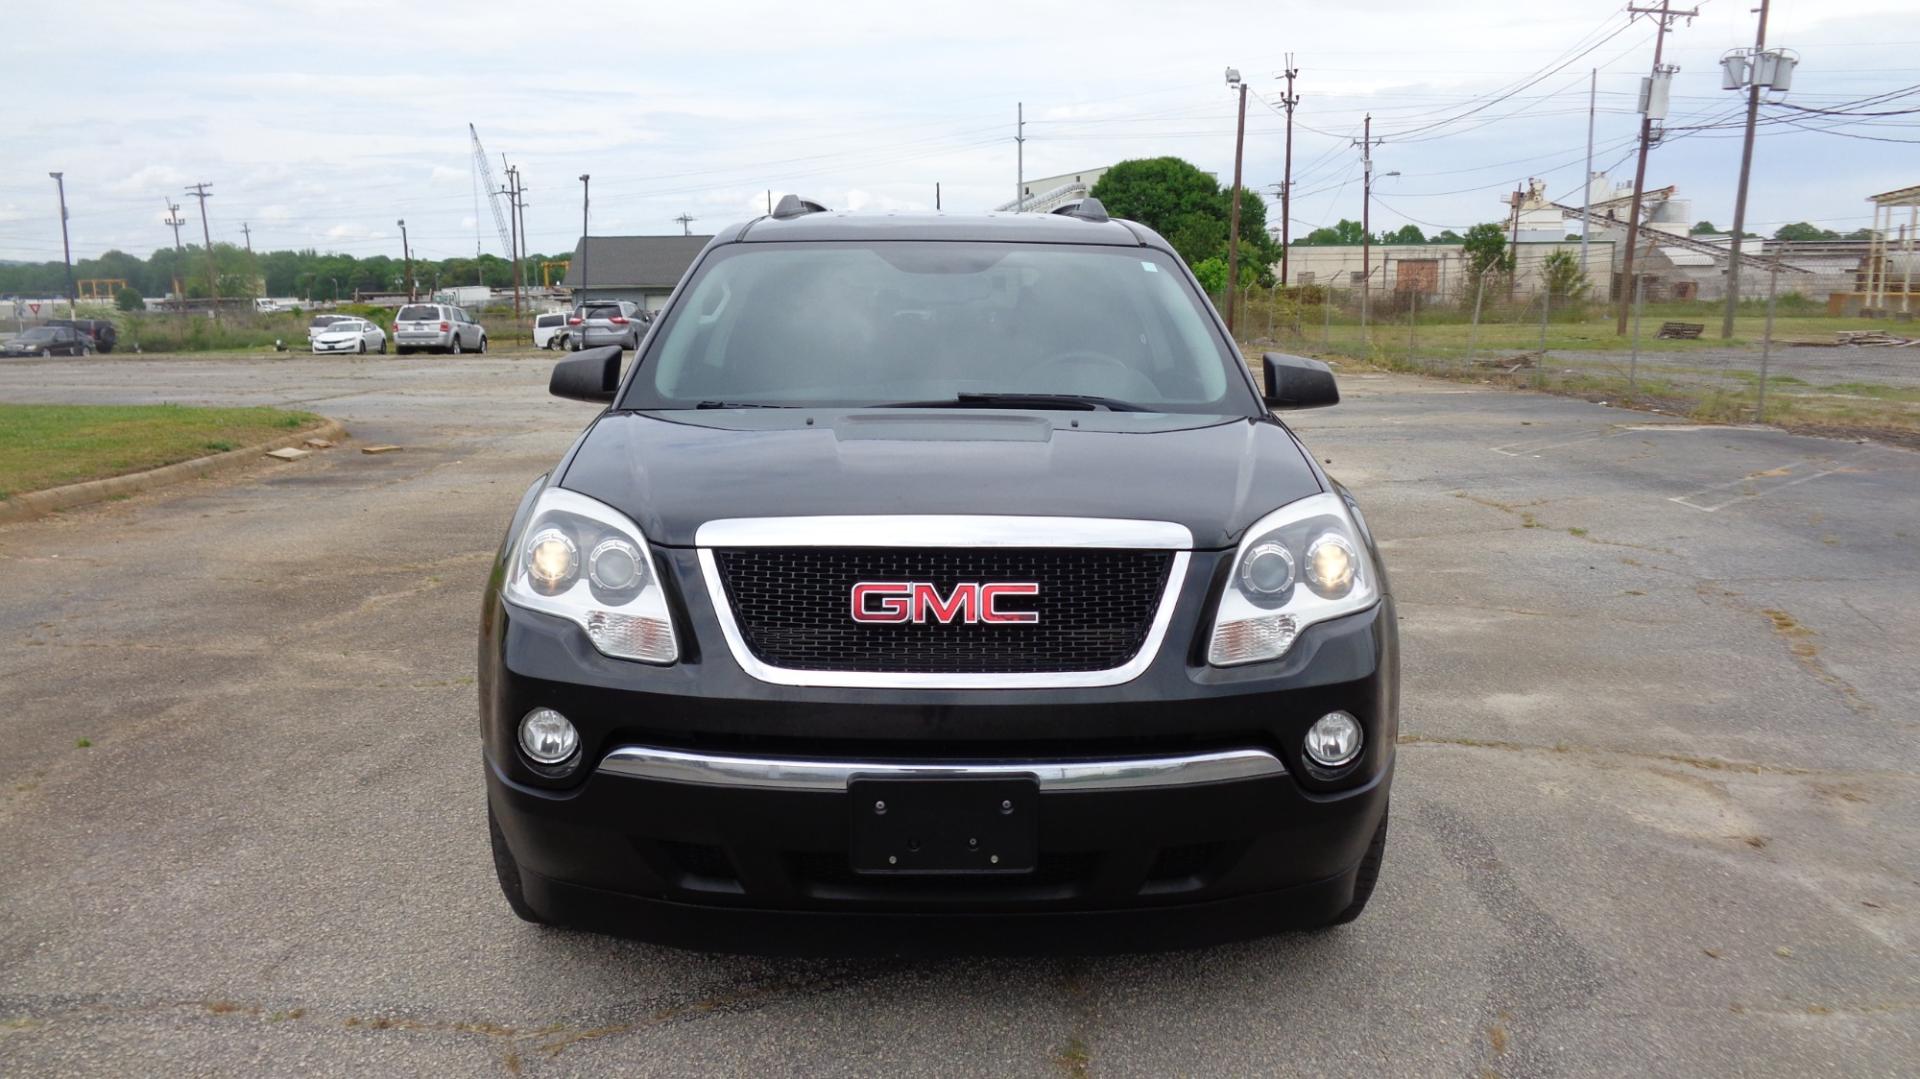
(1810, 350)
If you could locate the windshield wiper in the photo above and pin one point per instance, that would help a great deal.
(739, 404)
(1079, 401)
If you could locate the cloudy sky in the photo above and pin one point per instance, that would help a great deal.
(320, 125)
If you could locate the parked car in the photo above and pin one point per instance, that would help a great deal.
(320, 322)
(606, 322)
(49, 341)
(103, 334)
(996, 610)
(550, 330)
(350, 335)
(437, 327)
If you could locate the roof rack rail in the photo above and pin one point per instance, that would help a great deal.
(795, 206)
(1086, 209)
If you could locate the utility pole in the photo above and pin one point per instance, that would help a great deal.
(1586, 185)
(513, 236)
(1233, 214)
(1513, 245)
(580, 292)
(407, 254)
(1286, 181)
(936, 194)
(521, 264)
(174, 220)
(1019, 156)
(516, 238)
(1746, 167)
(1666, 15)
(66, 248)
(686, 223)
(248, 233)
(199, 191)
(1366, 218)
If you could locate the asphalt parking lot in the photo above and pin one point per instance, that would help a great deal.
(1655, 808)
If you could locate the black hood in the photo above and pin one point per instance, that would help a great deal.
(1215, 475)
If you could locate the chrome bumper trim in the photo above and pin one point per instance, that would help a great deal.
(787, 773)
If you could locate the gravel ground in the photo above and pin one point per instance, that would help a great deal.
(1654, 811)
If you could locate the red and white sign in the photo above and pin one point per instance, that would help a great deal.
(917, 601)
(34, 307)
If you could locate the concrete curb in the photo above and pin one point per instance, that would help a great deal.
(40, 503)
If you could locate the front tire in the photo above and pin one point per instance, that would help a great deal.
(383, 346)
(508, 872)
(1368, 876)
(363, 347)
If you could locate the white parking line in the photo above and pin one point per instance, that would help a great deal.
(1530, 448)
(1693, 499)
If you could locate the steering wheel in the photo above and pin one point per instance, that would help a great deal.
(1118, 379)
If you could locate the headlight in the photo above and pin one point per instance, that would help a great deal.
(1299, 565)
(611, 591)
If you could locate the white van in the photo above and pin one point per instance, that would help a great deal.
(550, 330)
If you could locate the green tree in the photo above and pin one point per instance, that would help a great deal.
(1560, 273)
(1447, 236)
(1405, 234)
(1175, 198)
(1703, 228)
(1212, 273)
(128, 299)
(1346, 233)
(1485, 246)
(1803, 230)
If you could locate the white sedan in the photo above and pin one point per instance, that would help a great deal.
(350, 335)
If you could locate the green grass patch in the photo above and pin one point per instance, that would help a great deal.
(45, 446)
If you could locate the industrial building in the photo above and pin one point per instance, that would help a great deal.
(1436, 273)
(643, 269)
(1046, 192)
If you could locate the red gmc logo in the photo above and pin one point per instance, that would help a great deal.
(918, 601)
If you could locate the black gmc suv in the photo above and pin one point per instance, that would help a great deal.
(938, 582)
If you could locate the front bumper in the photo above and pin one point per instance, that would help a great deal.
(701, 854)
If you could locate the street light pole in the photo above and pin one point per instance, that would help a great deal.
(1233, 215)
(585, 188)
(407, 254)
(66, 249)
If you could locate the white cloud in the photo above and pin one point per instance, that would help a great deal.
(873, 103)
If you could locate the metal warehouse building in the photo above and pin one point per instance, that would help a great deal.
(643, 269)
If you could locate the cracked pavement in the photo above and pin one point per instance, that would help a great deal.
(1655, 805)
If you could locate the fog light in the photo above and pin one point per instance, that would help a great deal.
(1334, 740)
(547, 737)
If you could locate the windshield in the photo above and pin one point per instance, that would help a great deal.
(603, 311)
(893, 322)
(418, 312)
(40, 333)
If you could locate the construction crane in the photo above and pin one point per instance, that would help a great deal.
(493, 192)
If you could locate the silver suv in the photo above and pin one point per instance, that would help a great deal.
(606, 322)
(437, 327)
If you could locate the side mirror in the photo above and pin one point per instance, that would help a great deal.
(591, 375)
(1297, 382)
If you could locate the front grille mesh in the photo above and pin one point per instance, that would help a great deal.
(793, 606)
